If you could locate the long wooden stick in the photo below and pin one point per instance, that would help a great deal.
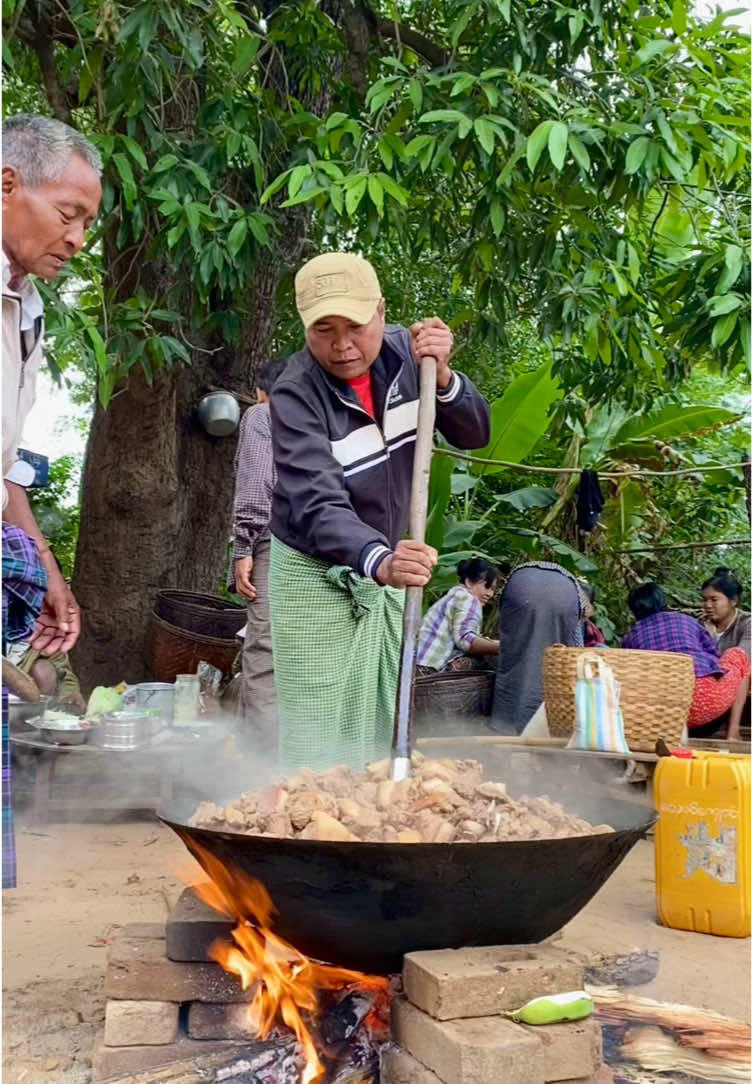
(419, 504)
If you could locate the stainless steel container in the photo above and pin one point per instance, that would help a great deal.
(72, 736)
(219, 413)
(154, 695)
(21, 712)
(125, 729)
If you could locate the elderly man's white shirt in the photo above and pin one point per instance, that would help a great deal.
(22, 308)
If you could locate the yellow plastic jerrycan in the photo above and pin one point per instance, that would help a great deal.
(702, 842)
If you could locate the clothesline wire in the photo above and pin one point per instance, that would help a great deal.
(707, 469)
(688, 546)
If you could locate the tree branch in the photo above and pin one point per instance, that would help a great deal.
(429, 50)
(43, 47)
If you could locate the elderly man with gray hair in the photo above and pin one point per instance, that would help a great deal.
(51, 196)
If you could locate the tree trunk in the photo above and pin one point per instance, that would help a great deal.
(155, 514)
(157, 491)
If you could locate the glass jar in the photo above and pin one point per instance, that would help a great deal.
(186, 705)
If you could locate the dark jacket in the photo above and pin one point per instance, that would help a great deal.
(344, 480)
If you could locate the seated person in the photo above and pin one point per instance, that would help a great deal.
(450, 635)
(721, 682)
(727, 625)
(53, 675)
(592, 634)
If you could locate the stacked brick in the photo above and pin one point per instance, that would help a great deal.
(166, 1002)
(449, 1029)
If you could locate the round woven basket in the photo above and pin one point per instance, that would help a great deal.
(208, 615)
(656, 690)
(171, 651)
(454, 695)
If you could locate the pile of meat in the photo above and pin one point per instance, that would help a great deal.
(444, 801)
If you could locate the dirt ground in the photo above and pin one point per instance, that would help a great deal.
(79, 881)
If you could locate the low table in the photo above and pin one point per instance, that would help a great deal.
(157, 765)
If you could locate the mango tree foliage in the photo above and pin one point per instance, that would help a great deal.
(581, 165)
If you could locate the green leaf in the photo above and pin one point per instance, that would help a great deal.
(733, 265)
(448, 116)
(8, 60)
(134, 150)
(199, 173)
(497, 216)
(246, 49)
(258, 228)
(334, 120)
(462, 483)
(274, 187)
(520, 418)
(392, 188)
(530, 497)
(439, 498)
(536, 142)
(177, 348)
(167, 161)
(237, 236)
(679, 17)
(304, 196)
(98, 345)
(127, 183)
(460, 24)
(418, 144)
(636, 154)
(723, 328)
(485, 133)
(666, 131)
(725, 303)
(416, 94)
(461, 531)
(376, 194)
(652, 49)
(385, 153)
(296, 179)
(558, 144)
(354, 195)
(672, 422)
(579, 152)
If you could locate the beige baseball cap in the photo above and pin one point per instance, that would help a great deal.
(337, 284)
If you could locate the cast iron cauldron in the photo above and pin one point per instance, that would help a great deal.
(364, 905)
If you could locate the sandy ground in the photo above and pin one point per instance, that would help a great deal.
(79, 881)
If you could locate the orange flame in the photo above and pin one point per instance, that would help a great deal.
(287, 982)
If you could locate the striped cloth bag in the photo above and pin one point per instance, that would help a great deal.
(598, 715)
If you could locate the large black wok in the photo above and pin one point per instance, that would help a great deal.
(364, 905)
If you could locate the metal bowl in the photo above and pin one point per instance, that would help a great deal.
(57, 736)
(21, 712)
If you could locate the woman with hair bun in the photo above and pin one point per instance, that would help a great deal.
(450, 636)
(727, 624)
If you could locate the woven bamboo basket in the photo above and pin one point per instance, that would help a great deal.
(656, 690)
(170, 651)
(454, 695)
(208, 615)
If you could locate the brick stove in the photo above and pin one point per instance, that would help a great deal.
(173, 1017)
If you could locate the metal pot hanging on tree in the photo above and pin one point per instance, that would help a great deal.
(219, 413)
